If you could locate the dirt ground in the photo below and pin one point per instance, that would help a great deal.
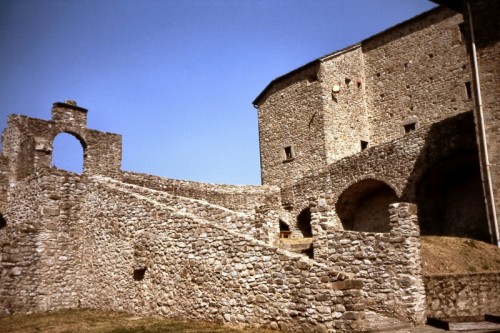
(458, 255)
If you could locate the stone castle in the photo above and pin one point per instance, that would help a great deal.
(351, 143)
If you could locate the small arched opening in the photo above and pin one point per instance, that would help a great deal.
(304, 222)
(284, 230)
(364, 206)
(450, 199)
(68, 152)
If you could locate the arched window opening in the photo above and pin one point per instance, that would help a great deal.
(450, 199)
(364, 206)
(3, 223)
(68, 152)
(304, 222)
(284, 230)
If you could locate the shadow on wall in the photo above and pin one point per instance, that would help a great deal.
(450, 199)
(446, 183)
(363, 206)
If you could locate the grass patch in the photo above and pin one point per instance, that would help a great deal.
(90, 321)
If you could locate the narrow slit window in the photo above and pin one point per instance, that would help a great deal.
(468, 90)
(461, 32)
(364, 145)
(409, 127)
(288, 153)
(3, 223)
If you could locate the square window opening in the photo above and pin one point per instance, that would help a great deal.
(364, 145)
(410, 127)
(139, 274)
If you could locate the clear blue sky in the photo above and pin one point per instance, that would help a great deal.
(175, 78)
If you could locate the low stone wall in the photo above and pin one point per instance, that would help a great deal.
(460, 295)
(389, 264)
(235, 197)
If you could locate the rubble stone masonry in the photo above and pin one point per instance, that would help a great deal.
(351, 144)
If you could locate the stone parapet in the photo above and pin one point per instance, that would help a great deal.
(234, 197)
(389, 264)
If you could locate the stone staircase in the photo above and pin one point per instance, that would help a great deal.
(240, 222)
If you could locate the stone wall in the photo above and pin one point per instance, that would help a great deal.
(27, 143)
(38, 269)
(198, 270)
(462, 295)
(406, 166)
(291, 116)
(259, 223)
(389, 264)
(79, 241)
(416, 72)
(346, 118)
(237, 198)
(4, 182)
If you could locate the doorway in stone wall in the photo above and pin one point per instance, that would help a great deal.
(364, 206)
(304, 222)
(68, 152)
(450, 199)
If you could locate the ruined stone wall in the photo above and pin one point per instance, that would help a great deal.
(346, 121)
(389, 264)
(237, 198)
(461, 295)
(416, 72)
(27, 143)
(291, 116)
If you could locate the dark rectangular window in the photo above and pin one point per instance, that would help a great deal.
(288, 153)
(364, 145)
(409, 127)
(139, 274)
(468, 90)
(461, 32)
